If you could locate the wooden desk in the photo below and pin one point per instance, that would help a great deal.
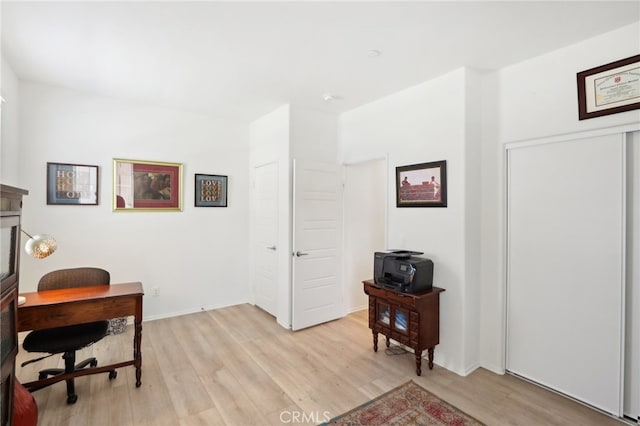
(56, 308)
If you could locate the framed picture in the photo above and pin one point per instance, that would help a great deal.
(72, 184)
(609, 89)
(146, 185)
(422, 185)
(211, 191)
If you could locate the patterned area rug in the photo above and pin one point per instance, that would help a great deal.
(408, 404)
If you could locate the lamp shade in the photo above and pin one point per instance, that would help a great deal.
(41, 246)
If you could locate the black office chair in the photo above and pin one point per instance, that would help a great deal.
(67, 340)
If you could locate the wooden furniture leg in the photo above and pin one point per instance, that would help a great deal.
(418, 362)
(137, 346)
(430, 350)
(375, 341)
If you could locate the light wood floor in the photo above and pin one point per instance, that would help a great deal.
(236, 366)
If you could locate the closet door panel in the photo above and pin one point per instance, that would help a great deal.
(565, 267)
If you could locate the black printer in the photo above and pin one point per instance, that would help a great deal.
(402, 271)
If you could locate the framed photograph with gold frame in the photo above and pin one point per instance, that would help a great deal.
(72, 184)
(210, 190)
(146, 185)
(609, 89)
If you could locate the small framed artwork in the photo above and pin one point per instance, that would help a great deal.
(146, 185)
(609, 89)
(72, 184)
(422, 185)
(211, 191)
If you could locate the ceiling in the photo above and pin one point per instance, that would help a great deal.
(241, 60)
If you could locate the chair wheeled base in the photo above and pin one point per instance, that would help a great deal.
(70, 367)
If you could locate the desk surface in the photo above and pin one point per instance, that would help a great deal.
(78, 294)
(77, 305)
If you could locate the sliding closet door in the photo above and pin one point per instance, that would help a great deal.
(565, 277)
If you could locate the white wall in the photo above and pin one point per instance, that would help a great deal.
(539, 97)
(314, 134)
(473, 216)
(422, 124)
(491, 290)
(197, 257)
(9, 138)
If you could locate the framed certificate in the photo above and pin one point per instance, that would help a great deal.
(609, 89)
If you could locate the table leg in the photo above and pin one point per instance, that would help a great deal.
(375, 341)
(137, 344)
(430, 350)
(418, 362)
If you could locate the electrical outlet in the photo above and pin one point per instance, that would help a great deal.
(156, 291)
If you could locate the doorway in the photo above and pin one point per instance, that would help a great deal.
(365, 212)
(265, 248)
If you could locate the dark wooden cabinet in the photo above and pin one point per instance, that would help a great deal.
(412, 319)
(11, 209)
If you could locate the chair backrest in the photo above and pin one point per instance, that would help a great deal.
(75, 277)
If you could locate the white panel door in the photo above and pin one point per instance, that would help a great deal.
(565, 267)
(317, 230)
(265, 271)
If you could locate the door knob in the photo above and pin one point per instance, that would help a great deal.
(299, 253)
(272, 248)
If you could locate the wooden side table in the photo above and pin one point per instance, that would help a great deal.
(412, 319)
